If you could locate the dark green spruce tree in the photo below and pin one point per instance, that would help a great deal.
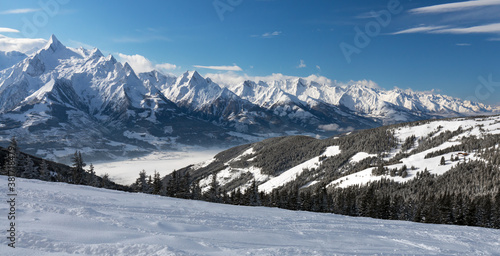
(77, 168)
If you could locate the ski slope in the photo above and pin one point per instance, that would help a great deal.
(62, 219)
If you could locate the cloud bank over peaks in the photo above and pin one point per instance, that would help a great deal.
(24, 45)
(231, 78)
(234, 67)
(364, 82)
(141, 64)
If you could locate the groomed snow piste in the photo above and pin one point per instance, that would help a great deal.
(62, 219)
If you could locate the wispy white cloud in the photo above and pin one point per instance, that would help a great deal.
(480, 29)
(141, 39)
(452, 7)
(463, 44)
(318, 67)
(269, 34)
(368, 15)
(302, 64)
(8, 30)
(141, 64)
(234, 67)
(475, 16)
(76, 44)
(19, 11)
(166, 66)
(421, 29)
(489, 28)
(275, 33)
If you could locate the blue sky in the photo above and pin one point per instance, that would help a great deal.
(449, 46)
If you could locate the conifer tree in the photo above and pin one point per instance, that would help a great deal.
(252, 194)
(91, 176)
(213, 192)
(105, 181)
(185, 185)
(77, 169)
(142, 183)
(44, 171)
(173, 184)
(195, 190)
(29, 169)
(149, 188)
(157, 184)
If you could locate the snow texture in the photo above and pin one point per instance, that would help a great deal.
(63, 219)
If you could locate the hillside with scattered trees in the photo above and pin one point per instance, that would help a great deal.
(13, 162)
(436, 171)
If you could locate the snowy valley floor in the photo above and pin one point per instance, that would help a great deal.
(125, 172)
(61, 219)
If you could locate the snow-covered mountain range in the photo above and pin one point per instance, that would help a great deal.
(59, 99)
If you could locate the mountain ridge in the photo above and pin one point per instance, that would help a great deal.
(57, 87)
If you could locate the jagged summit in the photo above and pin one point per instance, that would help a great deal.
(111, 58)
(197, 75)
(193, 77)
(53, 44)
(96, 52)
(184, 77)
(128, 69)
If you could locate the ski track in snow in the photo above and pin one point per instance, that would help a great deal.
(62, 219)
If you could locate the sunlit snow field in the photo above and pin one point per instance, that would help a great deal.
(127, 171)
(62, 219)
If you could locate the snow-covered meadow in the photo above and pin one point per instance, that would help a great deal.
(62, 219)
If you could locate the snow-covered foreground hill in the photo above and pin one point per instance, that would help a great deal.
(61, 219)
